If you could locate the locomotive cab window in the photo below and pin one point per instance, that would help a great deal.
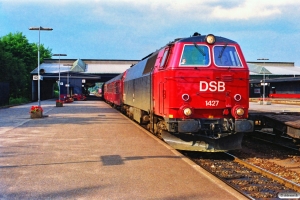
(226, 56)
(164, 58)
(194, 55)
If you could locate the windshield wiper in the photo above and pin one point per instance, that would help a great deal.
(199, 49)
(221, 53)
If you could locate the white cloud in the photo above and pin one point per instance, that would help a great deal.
(174, 9)
(244, 12)
(254, 9)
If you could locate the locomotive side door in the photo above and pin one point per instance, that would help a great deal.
(162, 95)
(162, 80)
(159, 82)
(159, 93)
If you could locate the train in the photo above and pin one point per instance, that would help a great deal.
(193, 93)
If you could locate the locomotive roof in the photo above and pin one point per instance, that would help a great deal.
(194, 38)
(201, 38)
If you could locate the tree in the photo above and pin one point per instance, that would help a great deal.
(12, 70)
(44, 53)
(18, 58)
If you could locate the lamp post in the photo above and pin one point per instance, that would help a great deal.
(59, 55)
(264, 79)
(68, 83)
(39, 29)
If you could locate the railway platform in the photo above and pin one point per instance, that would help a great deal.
(279, 105)
(286, 101)
(282, 118)
(88, 150)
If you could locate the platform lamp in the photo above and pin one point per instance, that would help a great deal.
(264, 79)
(39, 29)
(59, 55)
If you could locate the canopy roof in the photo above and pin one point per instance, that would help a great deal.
(256, 69)
(52, 66)
(96, 66)
(78, 66)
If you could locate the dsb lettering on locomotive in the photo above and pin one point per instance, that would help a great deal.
(213, 86)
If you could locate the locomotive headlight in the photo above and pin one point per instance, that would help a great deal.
(240, 111)
(210, 39)
(187, 112)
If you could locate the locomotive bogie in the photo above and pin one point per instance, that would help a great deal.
(138, 115)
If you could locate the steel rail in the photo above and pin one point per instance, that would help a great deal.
(268, 174)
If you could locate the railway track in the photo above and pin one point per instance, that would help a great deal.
(280, 158)
(261, 169)
(252, 181)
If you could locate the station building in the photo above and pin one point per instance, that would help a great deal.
(274, 79)
(77, 75)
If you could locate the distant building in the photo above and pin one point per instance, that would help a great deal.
(75, 75)
(277, 77)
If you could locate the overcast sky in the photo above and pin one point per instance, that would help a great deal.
(131, 29)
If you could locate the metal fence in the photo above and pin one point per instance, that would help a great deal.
(4, 93)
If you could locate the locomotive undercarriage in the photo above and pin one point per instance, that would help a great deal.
(209, 135)
(211, 128)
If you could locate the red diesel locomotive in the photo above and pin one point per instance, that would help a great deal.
(193, 93)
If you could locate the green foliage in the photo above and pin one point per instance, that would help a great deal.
(18, 58)
(95, 89)
(12, 70)
(56, 91)
(17, 101)
(44, 53)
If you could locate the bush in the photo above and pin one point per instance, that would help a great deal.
(16, 101)
(56, 93)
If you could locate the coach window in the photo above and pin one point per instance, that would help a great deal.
(194, 55)
(225, 56)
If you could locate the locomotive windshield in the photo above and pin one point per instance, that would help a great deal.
(195, 55)
(226, 56)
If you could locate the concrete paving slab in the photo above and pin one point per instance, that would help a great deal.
(274, 107)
